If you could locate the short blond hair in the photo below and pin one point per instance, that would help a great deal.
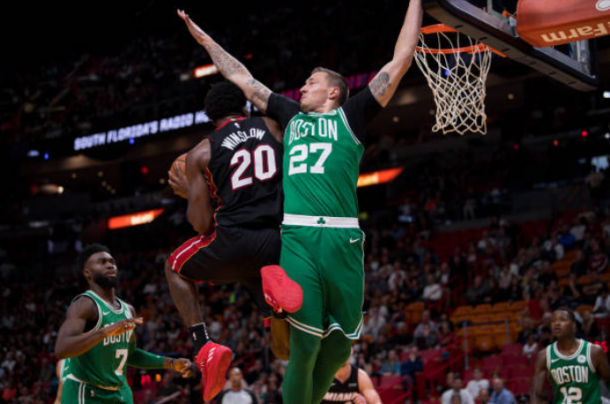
(335, 80)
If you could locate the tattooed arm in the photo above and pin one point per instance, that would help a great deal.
(386, 81)
(231, 68)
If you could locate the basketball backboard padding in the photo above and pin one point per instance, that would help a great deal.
(499, 34)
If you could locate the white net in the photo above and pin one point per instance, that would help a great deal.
(456, 68)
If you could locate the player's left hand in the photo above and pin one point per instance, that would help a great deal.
(184, 366)
(178, 182)
(359, 399)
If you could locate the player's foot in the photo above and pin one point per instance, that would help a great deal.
(281, 292)
(213, 360)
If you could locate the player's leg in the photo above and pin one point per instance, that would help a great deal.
(194, 261)
(334, 352)
(299, 381)
(306, 327)
(343, 285)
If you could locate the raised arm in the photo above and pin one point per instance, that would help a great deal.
(199, 211)
(540, 375)
(71, 339)
(384, 84)
(233, 70)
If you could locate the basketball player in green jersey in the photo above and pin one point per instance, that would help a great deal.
(322, 244)
(575, 367)
(98, 337)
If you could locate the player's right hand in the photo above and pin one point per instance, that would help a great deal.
(121, 327)
(193, 28)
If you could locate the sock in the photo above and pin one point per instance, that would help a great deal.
(200, 337)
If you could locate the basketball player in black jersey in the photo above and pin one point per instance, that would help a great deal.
(351, 385)
(239, 165)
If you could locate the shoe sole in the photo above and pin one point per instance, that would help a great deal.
(287, 293)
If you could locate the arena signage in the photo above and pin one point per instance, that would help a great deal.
(378, 177)
(134, 219)
(140, 130)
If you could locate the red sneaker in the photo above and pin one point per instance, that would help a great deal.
(281, 292)
(213, 360)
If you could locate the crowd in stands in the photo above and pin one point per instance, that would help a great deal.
(401, 269)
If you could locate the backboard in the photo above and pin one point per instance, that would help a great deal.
(576, 68)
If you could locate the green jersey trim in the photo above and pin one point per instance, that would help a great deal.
(318, 332)
(589, 360)
(76, 379)
(349, 128)
(573, 356)
(100, 317)
(321, 221)
(108, 305)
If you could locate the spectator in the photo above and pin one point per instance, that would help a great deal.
(589, 326)
(432, 291)
(457, 389)
(580, 265)
(602, 303)
(376, 322)
(579, 228)
(500, 394)
(484, 397)
(547, 275)
(391, 366)
(475, 386)
(598, 261)
(237, 394)
(425, 319)
(412, 365)
(554, 249)
(572, 291)
(530, 348)
(402, 338)
(429, 339)
(478, 292)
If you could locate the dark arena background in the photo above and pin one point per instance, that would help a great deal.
(472, 242)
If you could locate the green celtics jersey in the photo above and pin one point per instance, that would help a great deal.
(105, 364)
(573, 378)
(321, 165)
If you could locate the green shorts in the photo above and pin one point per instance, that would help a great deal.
(327, 262)
(77, 392)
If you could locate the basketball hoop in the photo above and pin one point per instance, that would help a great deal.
(456, 68)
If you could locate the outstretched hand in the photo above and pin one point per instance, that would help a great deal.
(193, 28)
(184, 366)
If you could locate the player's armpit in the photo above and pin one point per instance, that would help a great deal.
(540, 375)
(275, 129)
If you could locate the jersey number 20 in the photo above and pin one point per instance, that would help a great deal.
(265, 166)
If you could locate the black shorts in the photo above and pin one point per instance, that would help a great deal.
(230, 254)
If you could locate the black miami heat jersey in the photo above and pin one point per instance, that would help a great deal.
(245, 174)
(343, 392)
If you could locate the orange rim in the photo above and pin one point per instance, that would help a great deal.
(442, 28)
